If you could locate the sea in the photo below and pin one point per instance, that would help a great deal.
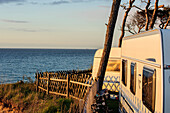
(22, 64)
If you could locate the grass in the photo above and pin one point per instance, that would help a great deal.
(24, 98)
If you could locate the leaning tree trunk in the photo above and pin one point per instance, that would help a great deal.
(147, 15)
(154, 16)
(167, 22)
(124, 21)
(108, 41)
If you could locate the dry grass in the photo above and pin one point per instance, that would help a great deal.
(24, 98)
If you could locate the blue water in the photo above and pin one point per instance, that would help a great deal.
(15, 63)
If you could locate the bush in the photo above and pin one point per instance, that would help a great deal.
(51, 109)
(65, 104)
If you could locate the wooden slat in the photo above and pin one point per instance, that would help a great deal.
(58, 84)
(58, 80)
(42, 88)
(57, 93)
(75, 97)
(43, 78)
(88, 85)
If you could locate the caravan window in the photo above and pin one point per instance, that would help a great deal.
(113, 65)
(148, 88)
(124, 72)
(133, 78)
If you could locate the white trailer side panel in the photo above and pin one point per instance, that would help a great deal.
(166, 59)
(142, 46)
(140, 49)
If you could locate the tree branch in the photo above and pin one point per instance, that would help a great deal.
(154, 16)
(137, 7)
(130, 31)
(167, 22)
(147, 15)
(123, 6)
(124, 21)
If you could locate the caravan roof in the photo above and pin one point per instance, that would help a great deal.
(115, 53)
(145, 46)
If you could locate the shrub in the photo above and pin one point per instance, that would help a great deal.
(65, 104)
(51, 109)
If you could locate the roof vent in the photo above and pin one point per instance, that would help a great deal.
(151, 59)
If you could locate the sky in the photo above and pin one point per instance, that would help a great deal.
(63, 24)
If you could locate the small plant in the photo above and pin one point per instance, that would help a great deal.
(65, 104)
(51, 109)
(27, 79)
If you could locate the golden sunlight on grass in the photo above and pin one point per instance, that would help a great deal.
(22, 97)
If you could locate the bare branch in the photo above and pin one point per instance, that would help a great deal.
(123, 6)
(137, 7)
(147, 15)
(167, 22)
(154, 15)
(144, 1)
(130, 28)
(124, 21)
(130, 31)
(161, 6)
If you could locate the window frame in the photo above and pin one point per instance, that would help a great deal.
(124, 72)
(152, 107)
(133, 86)
(110, 65)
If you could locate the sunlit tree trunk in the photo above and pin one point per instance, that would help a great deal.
(147, 15)
(108, 41)
(124, 21)
(167, 23)
(154, 16)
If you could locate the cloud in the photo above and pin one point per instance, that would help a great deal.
(23, 29)
(29, 29)
(70, 1)
(9, 1)
(34, 3)
(26, 30)
(14, 21)
(59, 2)
(19, 4)
(55, 2)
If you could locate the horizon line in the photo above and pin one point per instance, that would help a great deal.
(41, 48)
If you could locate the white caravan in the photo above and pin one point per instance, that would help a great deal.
(145, 73)
(112, 74)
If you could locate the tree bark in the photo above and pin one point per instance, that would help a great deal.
(147, 15)
(154, 16)
(140, 29)
(167, 23)
(108, 41)
(124, 21)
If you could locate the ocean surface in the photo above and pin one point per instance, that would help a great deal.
(16, 63)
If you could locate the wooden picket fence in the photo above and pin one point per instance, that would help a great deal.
(70, 84)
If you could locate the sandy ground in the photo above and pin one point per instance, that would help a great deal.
(6, 110)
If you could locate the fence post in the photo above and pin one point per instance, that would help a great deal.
(48, 82)
(87, 90)
(37, 83)
(68, 82)
(80, 105)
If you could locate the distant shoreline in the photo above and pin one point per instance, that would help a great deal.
(54, 48)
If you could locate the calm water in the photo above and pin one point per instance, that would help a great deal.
(15, 63)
